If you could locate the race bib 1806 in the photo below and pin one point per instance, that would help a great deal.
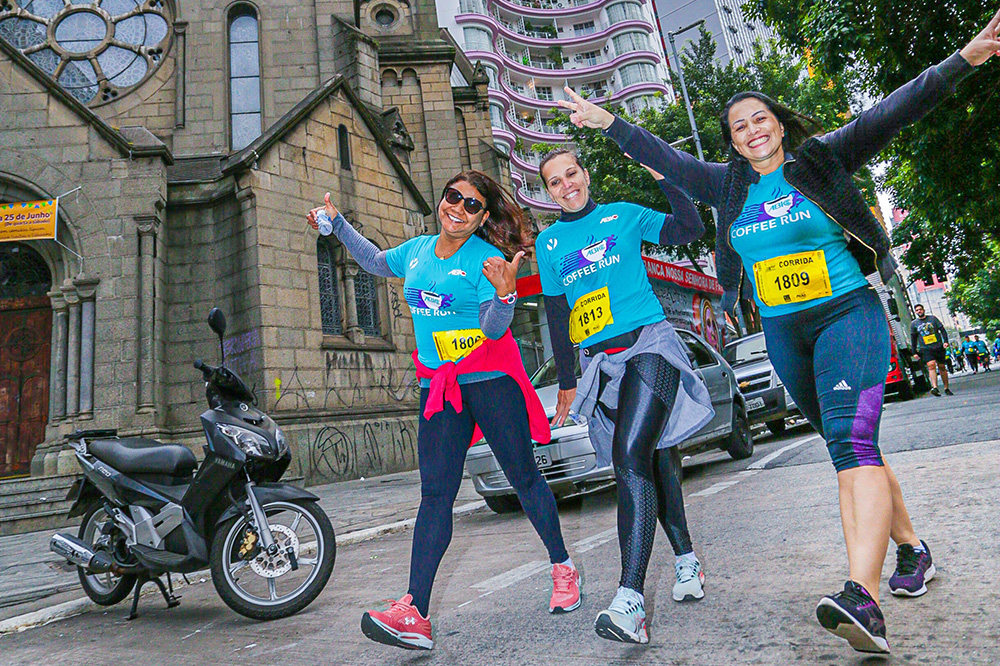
(590, 315)
(456, 345)
(792, 278)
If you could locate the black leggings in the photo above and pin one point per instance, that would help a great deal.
(649, 486)
(497, 405)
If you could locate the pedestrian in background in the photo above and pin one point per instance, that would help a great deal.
(971, 354)
(929, 339)
(786, 199)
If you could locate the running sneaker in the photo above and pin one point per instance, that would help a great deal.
(625, 619)
(565, 589)
(690, 580)
(401, 625)
(934, 391)
(913, 570)
(947, 391)
(854, 616)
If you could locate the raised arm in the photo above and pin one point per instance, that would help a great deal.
(684, 224)
(700, 180)
(366, 253)
(863, 138)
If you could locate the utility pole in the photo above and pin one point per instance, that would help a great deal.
(687, 100)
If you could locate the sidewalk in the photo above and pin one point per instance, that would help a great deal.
(32, 577)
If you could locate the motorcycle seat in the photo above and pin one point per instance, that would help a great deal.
(137, 455)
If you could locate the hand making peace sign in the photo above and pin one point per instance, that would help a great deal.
(985, 44)
(503, 274)
(585, 114)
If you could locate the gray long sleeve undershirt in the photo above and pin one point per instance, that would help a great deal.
(494, 315)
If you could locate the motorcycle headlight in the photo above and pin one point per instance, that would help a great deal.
(249, 442)
(279, 437)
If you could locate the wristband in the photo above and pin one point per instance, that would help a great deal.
(509, 299)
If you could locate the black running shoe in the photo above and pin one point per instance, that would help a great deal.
(948, 392)
(854, 616)
(934, 391)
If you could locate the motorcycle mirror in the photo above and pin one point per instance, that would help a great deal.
(217, 322)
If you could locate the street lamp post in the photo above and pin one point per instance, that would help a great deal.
(687, 100)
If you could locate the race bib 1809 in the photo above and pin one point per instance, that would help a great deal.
(792, 278)
(590, 315)
(456, 345)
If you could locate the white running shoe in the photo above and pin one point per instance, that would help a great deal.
(690, 579)
(625, 619)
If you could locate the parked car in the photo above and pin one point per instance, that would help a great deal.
(569, 463)
(767, 399)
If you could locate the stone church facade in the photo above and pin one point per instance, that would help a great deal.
(199, 132)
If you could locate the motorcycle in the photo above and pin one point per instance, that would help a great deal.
(146, 512)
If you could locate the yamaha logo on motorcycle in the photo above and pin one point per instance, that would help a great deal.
(147, 511)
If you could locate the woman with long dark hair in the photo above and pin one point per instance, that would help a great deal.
(460, 287)
(638, 391)
(796, 231)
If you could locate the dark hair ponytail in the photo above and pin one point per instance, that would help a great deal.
(798, 127)
(505, 228)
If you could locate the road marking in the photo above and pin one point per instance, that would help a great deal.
(596, 540)
(508, 578)
(722, 485)
(762, 463)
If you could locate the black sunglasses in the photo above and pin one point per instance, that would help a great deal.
(472, 204)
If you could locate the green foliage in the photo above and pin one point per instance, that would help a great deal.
(617, 178)
(978, 295)
(944, 170)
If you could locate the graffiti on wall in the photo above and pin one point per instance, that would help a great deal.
(364, 448)
(244, 352)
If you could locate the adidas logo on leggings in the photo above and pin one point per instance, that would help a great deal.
(842, 386)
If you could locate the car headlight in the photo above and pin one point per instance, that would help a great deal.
(249, 442)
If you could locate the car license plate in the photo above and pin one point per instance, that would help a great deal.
(542, 459)
(755, 403)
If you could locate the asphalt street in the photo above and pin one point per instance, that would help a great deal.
(767, 530)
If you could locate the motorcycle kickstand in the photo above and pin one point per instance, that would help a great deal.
(144, 578)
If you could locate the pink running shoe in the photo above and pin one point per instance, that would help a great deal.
(565, 589)
(401, 625)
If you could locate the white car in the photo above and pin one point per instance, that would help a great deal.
(569, 463)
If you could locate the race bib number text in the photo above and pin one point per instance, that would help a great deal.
(792, 278)
(590, 315)
(456, 345)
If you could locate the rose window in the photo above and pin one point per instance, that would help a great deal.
(94, 49)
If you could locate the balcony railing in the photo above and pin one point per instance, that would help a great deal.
(473, 7)
(529, 158)
(535, 124)
(536, 193)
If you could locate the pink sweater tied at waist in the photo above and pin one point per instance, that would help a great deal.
(501, 355)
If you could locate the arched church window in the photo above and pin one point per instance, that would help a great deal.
(23, 272)
(244, 76)
(366, 298)
(96, 50)
(329, 296)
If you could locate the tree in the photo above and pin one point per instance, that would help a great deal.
(617, 178)
(979, 295)
(944, 170)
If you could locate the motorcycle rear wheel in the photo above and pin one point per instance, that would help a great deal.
(250, 586)
(105, 589)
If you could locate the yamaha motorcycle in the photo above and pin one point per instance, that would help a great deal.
(146, 512)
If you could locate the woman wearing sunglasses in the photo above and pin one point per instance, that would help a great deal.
(597, 295)
(460, 287)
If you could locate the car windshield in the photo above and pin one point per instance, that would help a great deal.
(546, 374)
(746, 351)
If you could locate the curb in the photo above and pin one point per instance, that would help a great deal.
(76, 607)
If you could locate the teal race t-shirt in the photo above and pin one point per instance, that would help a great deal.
(444, 295)
(795, 256)
(596, 261)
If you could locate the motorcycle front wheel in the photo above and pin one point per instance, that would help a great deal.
(266, 586)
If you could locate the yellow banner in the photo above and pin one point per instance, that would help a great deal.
(29, 220)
